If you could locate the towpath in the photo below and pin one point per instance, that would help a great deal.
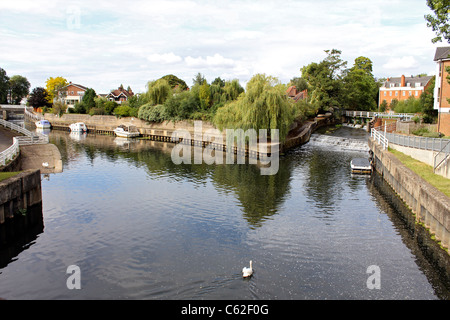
(6, 138)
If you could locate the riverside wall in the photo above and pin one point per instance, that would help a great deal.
(19, 193)
(299, 134)
(430, 206)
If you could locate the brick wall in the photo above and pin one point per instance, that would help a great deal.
(444, 123)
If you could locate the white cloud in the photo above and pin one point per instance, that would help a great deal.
(406, 62)
(166, 58)
(210, 61)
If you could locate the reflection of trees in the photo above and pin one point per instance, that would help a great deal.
(324, 183)
(260, 196)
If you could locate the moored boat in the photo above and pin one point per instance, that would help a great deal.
(361, 165)
(126, 131)
(43, 124)
(78, 127)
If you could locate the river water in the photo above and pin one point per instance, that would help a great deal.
(139, 226)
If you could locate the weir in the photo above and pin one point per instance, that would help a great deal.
(347, 144)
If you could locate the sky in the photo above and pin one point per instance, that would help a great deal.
(103, 44)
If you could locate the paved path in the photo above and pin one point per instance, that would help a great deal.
(6, 138)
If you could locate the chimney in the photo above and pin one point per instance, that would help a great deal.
(403, 83)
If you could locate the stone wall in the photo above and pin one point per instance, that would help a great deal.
(19, 193)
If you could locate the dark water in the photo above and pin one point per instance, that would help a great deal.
(140, 227)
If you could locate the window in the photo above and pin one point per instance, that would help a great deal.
(410, 93)
(417, 84)
(404, 93)
(396, 93)
(385, 93)
(417, 93)
(390, 93)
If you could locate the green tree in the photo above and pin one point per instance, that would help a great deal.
(325, 81)
(300, 83)
(89, 99)
(360, 87)
(204, 94)
(199, 79)
(175, 81)
(20, 87)
(439, 20)
(264, 105)
(4, 86)
(158, 91)
(427, 102)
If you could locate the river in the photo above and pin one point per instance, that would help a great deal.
(139, 226)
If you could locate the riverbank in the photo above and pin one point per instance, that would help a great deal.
(430, 206)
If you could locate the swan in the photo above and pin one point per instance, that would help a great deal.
(247, 272)
(45, 164)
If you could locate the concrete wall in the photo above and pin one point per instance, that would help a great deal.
(18, 193)
(426, 156)
(430, 206)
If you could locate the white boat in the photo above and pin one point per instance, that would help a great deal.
(126, 131)
(78, 127)
(43, 124)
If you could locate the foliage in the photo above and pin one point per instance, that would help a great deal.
(439, 21)
(20, 87)
(325, 81)
(53, 85)
(158, 91)
(152, 113)
(4, 86)
(38, 98)
(300, 83)
(89, 99)
(174, 81)
(264, 105)
(125, 111)
(59, 108)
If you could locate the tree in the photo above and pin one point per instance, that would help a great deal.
(360, 87)
(158, 91)
(439, 21)
(4, 86)
(199, 79)
(89, 99)
(325, 81)
(264, 105)
(38, 98)
(300, 83)
(53, 86)
(20, 87)
(175, 81)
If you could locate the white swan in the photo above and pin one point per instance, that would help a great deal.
(247, 272)
(45, 164)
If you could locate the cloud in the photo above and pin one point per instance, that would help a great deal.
(166, 58)
(405, 62)
(210, 61)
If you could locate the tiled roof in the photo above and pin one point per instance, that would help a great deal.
(412, 80)
(442, 53)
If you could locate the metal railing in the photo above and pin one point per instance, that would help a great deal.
(442, 156)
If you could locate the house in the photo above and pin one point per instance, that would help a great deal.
(442, 89)
(120, 95)
(401, 88)
(72, 93)
(295, 95)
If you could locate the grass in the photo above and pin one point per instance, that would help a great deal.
(425, 171)
(6, 175)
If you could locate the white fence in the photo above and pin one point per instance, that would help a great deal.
(380, 137)
(371, 114)
(9, 153)
(32, 115)
(29, 137)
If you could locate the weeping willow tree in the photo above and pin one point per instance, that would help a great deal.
(158, 91)
(264, 105)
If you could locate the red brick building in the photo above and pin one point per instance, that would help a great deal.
(442, 89)
(401, 88)
(292, 93)
(72, 93)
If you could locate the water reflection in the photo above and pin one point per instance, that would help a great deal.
(260, 196)
(18, 234)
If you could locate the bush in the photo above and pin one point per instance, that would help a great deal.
(152, 113)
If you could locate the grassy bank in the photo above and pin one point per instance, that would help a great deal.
(6, 175)
(425, 171)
